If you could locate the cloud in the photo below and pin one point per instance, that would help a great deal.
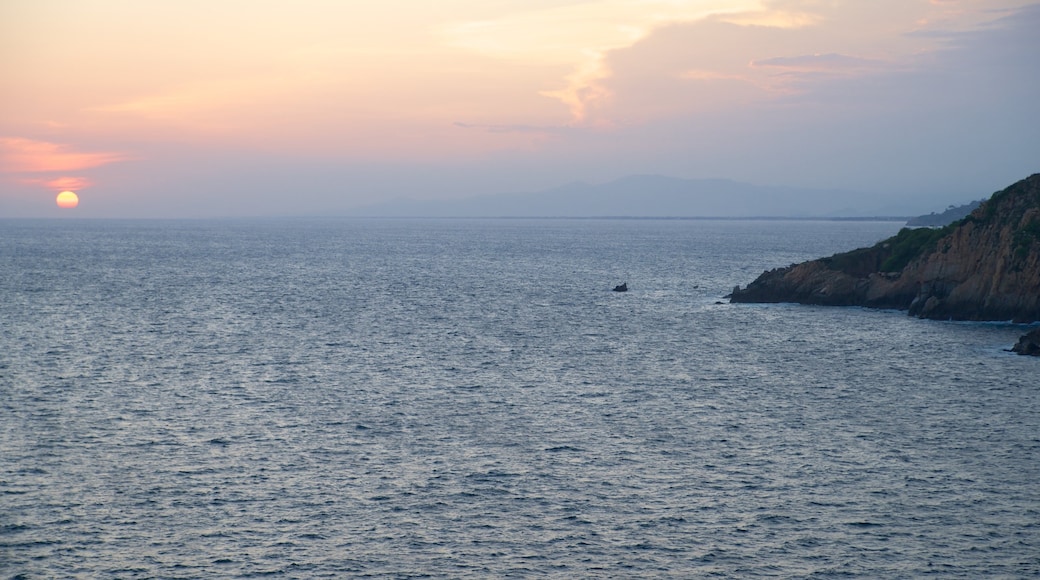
(947, 116)
(20, 155)
(62, 183)
(181, 102)
(818, 63)
(833, 57)
(540, 130)
(580, 36)
(773, 19)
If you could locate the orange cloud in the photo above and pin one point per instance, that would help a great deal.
(19, 155)
(61, 183)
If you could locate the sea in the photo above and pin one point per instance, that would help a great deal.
(352, 398)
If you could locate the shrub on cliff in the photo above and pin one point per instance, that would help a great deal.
(910, 243)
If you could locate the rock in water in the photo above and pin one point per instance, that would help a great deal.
(983, 267)
(1029, 344)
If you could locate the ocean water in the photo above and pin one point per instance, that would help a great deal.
(468, 399)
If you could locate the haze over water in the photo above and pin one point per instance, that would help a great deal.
(466, 398)
(316, 108)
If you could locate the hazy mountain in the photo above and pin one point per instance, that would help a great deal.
(952, 214)
(653, 196)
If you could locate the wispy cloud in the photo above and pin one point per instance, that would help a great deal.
(60, 183)
(773, 19)
(184, 102)
(835, 63)
(20, 155)
(536, 129)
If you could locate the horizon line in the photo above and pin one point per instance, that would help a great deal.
(878, 218)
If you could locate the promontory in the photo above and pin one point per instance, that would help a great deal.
(983, 267)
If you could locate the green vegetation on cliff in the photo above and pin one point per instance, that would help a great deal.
(891, 255)
(1025, 237)
(911, 243)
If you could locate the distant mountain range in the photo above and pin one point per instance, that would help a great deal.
(657, 196)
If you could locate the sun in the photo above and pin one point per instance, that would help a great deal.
(67, 199)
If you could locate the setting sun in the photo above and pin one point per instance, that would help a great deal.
(67, 199)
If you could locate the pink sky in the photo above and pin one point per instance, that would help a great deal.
(189, 108)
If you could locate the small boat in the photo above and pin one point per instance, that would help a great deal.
(623, 287)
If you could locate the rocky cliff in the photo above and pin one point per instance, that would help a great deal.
(983, 267)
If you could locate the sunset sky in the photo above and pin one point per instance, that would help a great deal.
(260, 107)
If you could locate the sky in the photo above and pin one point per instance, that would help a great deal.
(206, 108)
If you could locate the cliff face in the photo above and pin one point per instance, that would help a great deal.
(984, 267)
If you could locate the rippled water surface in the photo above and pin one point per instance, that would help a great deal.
(322, 398)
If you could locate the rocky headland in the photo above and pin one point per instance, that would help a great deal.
(985, 266)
